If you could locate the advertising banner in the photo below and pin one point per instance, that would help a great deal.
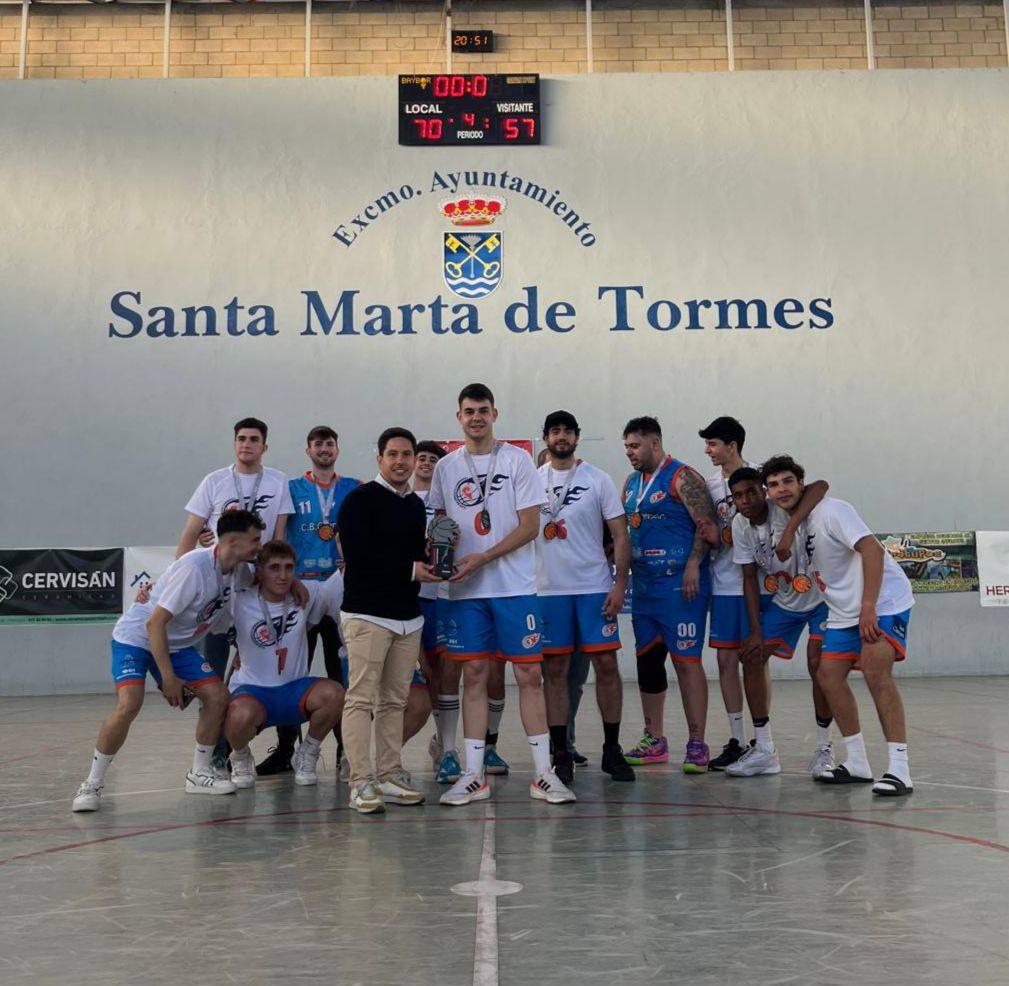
(943, 562)
(993, 566)
(60, 585)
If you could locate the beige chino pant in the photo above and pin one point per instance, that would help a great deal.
(381, 668)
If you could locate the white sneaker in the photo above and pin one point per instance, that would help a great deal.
(434, 751)
(548, 787)
(398, 790)
(468, 788)
(206, 782)
(823, 761)
(88, 797)
(243, 769)
(305, 767)
(366, 799)
(756, 760)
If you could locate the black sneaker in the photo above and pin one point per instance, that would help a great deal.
(579, 760)
(564, 768)
(731, 752)
(278, 762)
(615, 765)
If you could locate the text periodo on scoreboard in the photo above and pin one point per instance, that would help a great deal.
(452, 110)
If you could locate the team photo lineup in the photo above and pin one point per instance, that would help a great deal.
(423, 583)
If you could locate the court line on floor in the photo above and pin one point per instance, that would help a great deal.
(706, 810)
(485, 952)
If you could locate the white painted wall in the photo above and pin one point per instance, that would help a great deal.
(884, 192)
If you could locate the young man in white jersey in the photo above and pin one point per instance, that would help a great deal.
(492, 491)
(869, 600)
(244, 485)
(159, 637)
(579, 599)
(270, 685)
(757, 529)
(723, 444)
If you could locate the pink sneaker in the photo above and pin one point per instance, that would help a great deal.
(648, 749)
(696, 760)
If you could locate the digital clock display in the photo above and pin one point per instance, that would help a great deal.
(480, 42)
(440, 110)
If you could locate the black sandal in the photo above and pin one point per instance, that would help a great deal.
(889, 786)
(841, 775)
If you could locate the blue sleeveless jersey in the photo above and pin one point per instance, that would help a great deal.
(661, 543)
(317, 556)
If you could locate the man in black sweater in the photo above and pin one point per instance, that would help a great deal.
(382, 528)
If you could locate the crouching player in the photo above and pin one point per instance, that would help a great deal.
(757, 529)
(270, 686)
(159, 636)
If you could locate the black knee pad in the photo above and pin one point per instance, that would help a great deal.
(652, 670)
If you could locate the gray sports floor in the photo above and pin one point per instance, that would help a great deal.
(670, 880)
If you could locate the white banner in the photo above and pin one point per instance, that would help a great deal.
(141, 566)
(993, 567)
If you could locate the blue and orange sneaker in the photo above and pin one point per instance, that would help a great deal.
(493, 762)
(696, 760)
(449, 770)
(648, 749)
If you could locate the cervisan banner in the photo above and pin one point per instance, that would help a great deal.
(60, 585)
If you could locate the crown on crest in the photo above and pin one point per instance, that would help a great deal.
(472, 212)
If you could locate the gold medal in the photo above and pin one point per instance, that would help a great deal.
(727, 536)
(482, 522)
(636, 519)
(770, 583)
(550, 531)
(802, 583)
(325, 532)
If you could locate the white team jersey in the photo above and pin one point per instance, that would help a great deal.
(726, 578)
(262, 660)
(754, 544)
(514, 486)
(195, 591)
(428, 590)
(834, 528)
(572, 560)
(216, 494)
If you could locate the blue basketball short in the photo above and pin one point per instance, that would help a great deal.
(673, 620)
(131, 665)
(508, 629)
(782, 627)
(429, 641)
(576, 622)
(730, 621)
(283, 705)
(845, 644)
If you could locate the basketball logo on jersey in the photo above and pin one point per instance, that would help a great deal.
(263, 636)
(467, 491)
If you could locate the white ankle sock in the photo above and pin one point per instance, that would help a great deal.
(898, 765)
(201, 758)
(736, 726)
(541, 752)
(763, 735)
(857, 762)
(448, 720)
(99, 764)
(313, 747)
(474, 756)
(822, 734)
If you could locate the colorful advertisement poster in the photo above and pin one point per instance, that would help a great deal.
(943, 562)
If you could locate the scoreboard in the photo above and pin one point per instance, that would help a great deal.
(451, 110)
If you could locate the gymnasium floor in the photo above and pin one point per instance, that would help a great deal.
(672, 879)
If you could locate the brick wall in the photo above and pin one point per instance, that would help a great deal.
(548, 36)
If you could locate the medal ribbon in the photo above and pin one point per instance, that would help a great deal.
(488, 478)
(269, 622)
(642, 493)
(325, 505)
(556, 504)
(251, 503)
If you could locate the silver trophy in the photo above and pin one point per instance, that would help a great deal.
(442, 533)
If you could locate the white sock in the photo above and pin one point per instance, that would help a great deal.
(822, 735)
(899, 766)
(313, 747)
(201, 758)
(763, 734)
(858, 760)
(474, 756)
(100, 763)
(736, 726)
(448, 720)
(541, 752)
(495, 710)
